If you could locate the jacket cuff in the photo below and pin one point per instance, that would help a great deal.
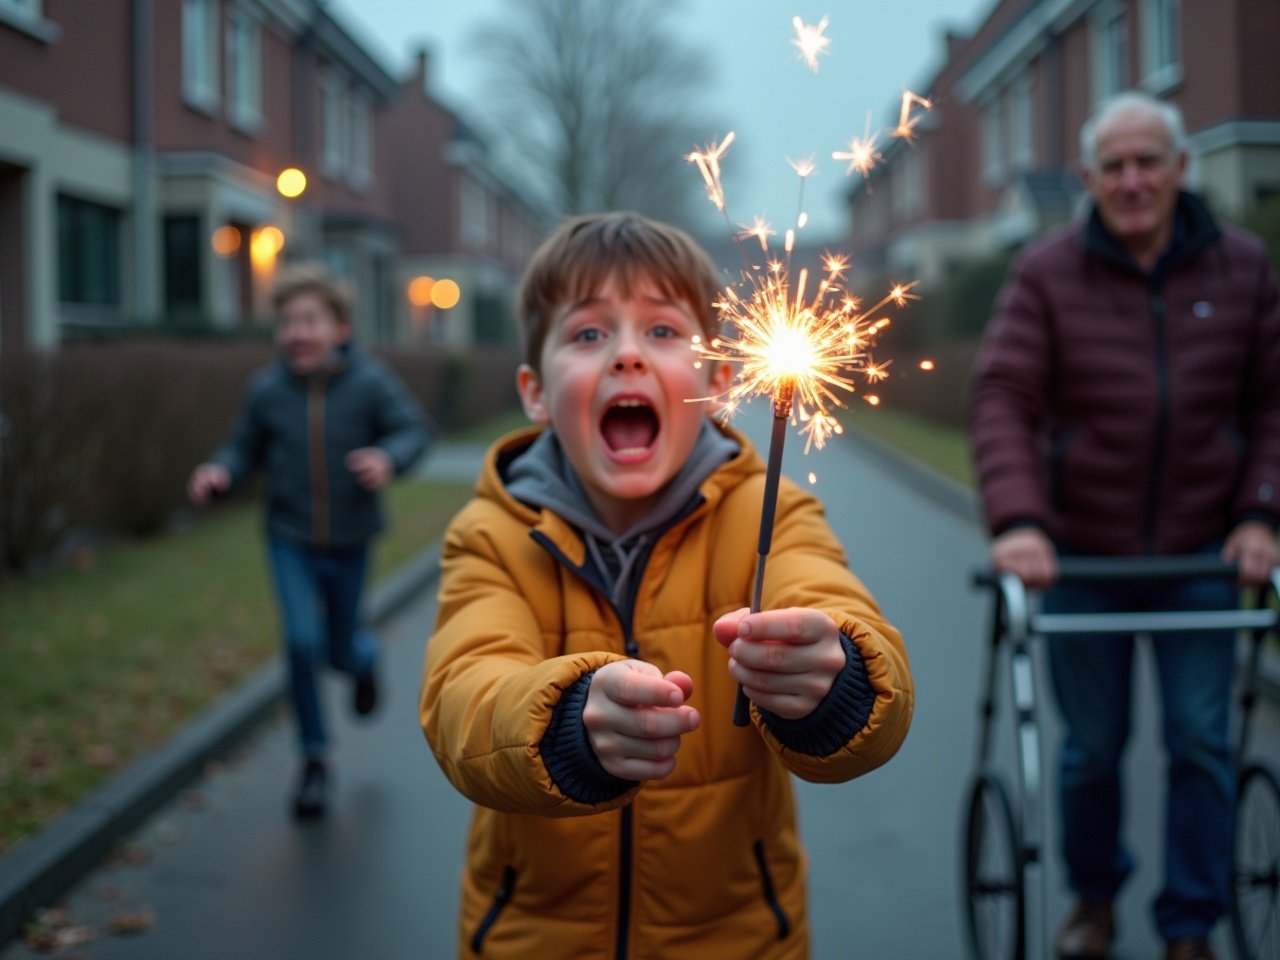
(1016, 523)
(840, 715)
(567, 754)
(1259, 516)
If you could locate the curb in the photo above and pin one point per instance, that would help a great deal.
(41, 867)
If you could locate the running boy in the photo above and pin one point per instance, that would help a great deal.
(332, 427)
(572, 656)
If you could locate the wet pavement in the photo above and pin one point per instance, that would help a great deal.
(223, 872)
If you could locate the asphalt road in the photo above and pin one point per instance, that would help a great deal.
(223, 872)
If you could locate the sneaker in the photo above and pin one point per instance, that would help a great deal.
(1087, 932)
(309, 801)
(1189, 948)
(366, 695)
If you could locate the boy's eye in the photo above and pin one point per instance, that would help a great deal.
(588, 335)
(664, 331)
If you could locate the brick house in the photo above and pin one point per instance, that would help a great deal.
(996, 161)
(140, 145)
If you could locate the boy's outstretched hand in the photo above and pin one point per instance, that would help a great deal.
(206, 480)
(635, 717)
(786, 660)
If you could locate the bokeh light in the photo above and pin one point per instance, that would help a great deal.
(291, 182)
(419, 291)
(226, 240)
(445, 294)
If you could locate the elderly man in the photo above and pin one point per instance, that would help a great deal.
(1127, 402)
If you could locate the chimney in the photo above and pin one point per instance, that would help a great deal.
(422, 75)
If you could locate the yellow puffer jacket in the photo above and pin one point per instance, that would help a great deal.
(706, 863)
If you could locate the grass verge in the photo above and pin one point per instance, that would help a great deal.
(105, 659)
(944, 449)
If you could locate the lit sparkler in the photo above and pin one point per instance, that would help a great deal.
(810, 41)
(799, 345)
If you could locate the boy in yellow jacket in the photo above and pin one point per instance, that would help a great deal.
(573, 657)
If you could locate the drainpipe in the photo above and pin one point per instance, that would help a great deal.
(145, 253)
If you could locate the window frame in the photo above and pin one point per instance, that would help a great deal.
(1162, 45)
(244, 64)
(201, 78)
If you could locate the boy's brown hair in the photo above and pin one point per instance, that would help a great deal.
(299, 278)
(575, 261)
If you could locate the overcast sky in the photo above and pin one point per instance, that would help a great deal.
(758, 87)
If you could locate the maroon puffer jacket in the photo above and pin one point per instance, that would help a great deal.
(1127, 413)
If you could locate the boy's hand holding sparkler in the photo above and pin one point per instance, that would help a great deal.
(785, 660)
(635, 716)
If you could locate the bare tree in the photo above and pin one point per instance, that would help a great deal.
(593, 102)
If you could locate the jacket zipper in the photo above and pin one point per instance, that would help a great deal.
(500, 900)
(1162, 415)
(316, 463)
(770, 895)
(632, 649)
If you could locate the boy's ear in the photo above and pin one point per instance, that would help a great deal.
(531, 397)
(721, 379)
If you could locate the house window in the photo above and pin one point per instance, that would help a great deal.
(244, 72)
(88, 253)
(473, 214)
(993, 156)
(333, 96)
(200, 53)
(359, 140)
(184, 246)
(1110, 53)
(1162, 43)
(907, 186)
(1022, 149)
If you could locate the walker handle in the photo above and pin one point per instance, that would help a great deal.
(1128, 568)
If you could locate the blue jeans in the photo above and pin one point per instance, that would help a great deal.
(319, 598)
(1092, 683)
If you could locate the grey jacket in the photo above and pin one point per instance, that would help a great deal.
(302, 428)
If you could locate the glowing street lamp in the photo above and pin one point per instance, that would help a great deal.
(291, 183)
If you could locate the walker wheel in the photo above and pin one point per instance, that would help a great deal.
(1255, 893)
(995, 909)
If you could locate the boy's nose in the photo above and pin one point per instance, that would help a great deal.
(628, 356)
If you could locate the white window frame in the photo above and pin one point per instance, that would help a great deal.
(333, 148)
(993, 140)
(907, 187)
(359, 139)
(473, 214)
(1110, 51)
(1161, 45)
(244, 71)
(200, 54)
(1021, 118)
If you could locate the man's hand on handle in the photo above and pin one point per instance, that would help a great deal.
(1252, 548)
(1027, 552)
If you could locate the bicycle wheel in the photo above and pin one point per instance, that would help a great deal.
(1255, 894)
(995, 909)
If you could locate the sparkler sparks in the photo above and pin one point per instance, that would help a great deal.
(800, 347)
(810, 41)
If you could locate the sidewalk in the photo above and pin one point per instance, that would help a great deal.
(38, 870)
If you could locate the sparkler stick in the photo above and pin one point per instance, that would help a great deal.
(769, 507)
(798, 349)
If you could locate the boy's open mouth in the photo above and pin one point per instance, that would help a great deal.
(629, 425)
